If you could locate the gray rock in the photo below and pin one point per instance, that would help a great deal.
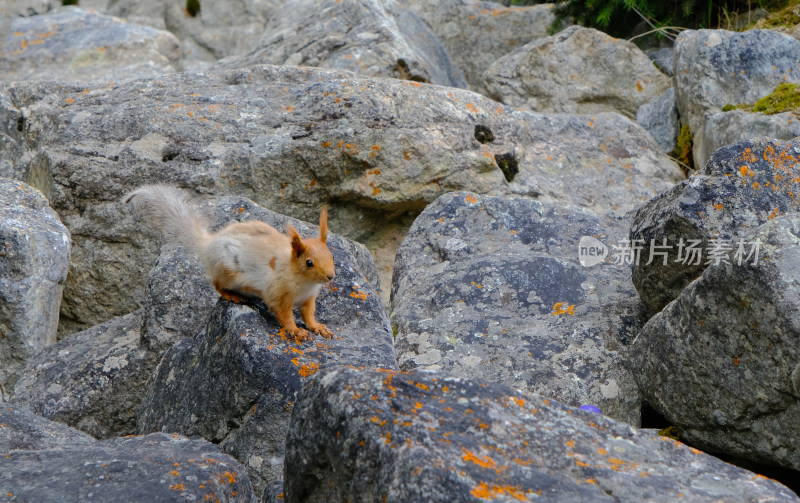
(76, 45)
(25, 431)
(477, 33)
(579, 70)
(714, 68)
(34, 258)
(157, 467)
(217, 30)
(726, 128)
(93, 380)
(362, 435)
(663, 58)
(492, 288)
(660, 119)
(376, 38)
(731, 382)
(248, 411)
(292, 139)
(742, 186)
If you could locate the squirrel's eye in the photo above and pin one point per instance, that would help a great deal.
(310, 263)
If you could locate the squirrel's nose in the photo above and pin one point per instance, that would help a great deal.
(331, 276)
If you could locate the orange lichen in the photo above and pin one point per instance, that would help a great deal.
(561, 308)
(471, 199)
(483, 490)
(484, 462)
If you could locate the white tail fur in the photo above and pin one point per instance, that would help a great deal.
(173, 211)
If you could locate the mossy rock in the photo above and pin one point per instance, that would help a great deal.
(785, 98)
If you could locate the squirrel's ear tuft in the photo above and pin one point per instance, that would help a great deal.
(323, 224)
(297, 242)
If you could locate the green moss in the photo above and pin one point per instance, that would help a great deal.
(193, 7)
(782, 17)
(683, 149)
(729, 107)
(672, 432)
(785, 98)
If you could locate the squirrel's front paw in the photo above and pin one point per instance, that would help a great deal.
(299, 334)
(321, 330)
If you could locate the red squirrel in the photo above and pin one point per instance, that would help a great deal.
(247, 258)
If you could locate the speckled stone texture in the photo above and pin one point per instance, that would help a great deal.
(722, 361)
(492, 288)
(714, 68)
(46, 462)
(742, 186)
(235, 382)
(369, 435)
(34, 259)
(292, 139)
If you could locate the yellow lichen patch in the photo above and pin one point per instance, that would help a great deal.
(309, 369)
(178, 487)
(69, 100)
(639, 86)
(718, 206)
(422, 386)
(484, 462)
(230, 477)
(562, 308)
(174, 473)
(358, 294)
(471, 199)
(484, 491)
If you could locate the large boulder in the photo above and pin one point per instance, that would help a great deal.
(377, 38)
(368, 435)
(494, 288)
(93, 380)
(46, 462)
(722, 361)
(248, 411)
(76, 45)
(660, 118)
(478, 33)
(579, 70)
(34, 259)
(742, 186)
(376, 150)
(714, 68)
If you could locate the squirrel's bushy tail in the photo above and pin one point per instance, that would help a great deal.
(172, 211)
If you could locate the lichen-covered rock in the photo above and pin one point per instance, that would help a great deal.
(368, 435)
(376, 38)
(742, 186)
(248, 411)
(23, 430)
(76, 45)
(291, 139)
(157, 467)
(714, 68)
(93, 380)
(34, 259)
(579, 70)
(660, 119)
(477, 33)
(731, 380)
(492, 288)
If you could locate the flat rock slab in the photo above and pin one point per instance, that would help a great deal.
(680, 232)
(291, 139)
(722, 362)
(23, 430)
(248, 411)
(369, 435)
(80, 46)
(157, 467)
(578, 70)
(376, 38)
(492, 288)
(34, 260)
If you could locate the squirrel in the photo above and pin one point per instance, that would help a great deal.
(247, 258)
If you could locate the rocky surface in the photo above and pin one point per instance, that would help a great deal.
(477, 33)
(731, 382)
(579, 70)
(743, 186)
(352, 142)
(492, 288)
(714, 68)
(248, 411)
(369, 37)
(366, 435)
(48, 462)
(660, 119)
(34, 259)
(76, 45)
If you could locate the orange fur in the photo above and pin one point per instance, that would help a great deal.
(249, 258)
